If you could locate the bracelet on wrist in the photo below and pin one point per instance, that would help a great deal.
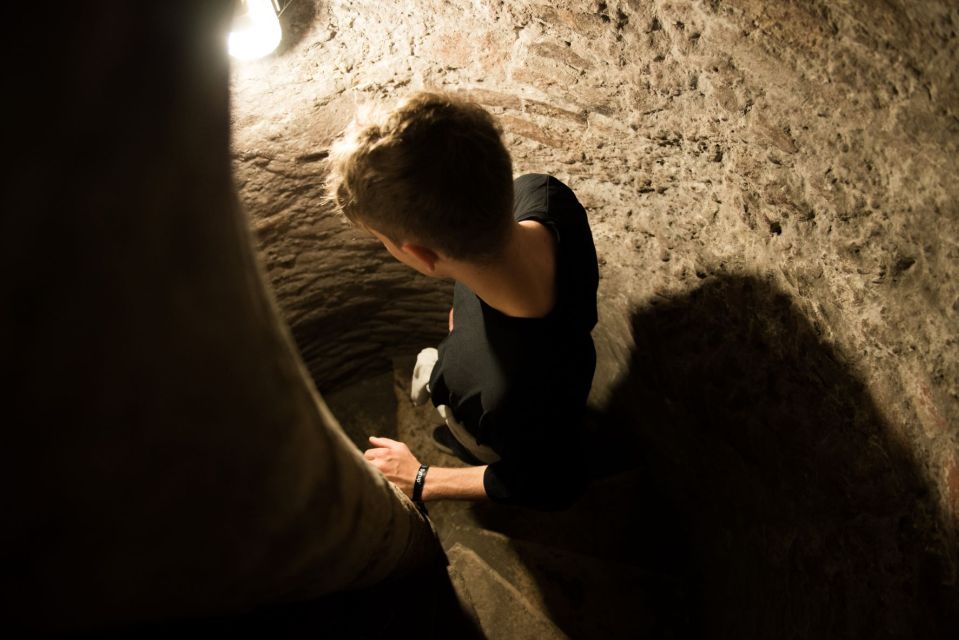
(418, 484)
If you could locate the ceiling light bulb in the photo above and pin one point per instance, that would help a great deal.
(256, 32)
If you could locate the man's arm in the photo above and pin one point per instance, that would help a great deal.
(397, 463)
(462, 483)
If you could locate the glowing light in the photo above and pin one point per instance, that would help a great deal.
(256, 31)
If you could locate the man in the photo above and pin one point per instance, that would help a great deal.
(433, 182)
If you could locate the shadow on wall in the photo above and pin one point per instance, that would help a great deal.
(762, 496)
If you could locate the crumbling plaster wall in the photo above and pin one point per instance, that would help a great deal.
(809, 146)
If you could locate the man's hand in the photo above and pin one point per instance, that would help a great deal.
(395, 461)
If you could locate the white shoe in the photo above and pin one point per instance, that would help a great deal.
(419, 385)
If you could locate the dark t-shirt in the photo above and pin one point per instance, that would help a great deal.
(519, 385)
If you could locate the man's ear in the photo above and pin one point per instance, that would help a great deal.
(425, 256)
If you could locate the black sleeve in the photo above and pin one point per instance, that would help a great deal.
(538, 465)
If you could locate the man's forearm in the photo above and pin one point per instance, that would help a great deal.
(461, 483)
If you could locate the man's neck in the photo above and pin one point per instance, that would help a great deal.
(521, 283)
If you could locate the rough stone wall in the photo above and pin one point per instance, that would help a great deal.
(803, 152)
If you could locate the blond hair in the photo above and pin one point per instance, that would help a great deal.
(433, 170)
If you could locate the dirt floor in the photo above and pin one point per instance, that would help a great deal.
(771, 191)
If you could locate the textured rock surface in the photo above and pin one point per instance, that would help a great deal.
(772, 193)
(503, 611)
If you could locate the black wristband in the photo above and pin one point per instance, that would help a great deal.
(418, 483)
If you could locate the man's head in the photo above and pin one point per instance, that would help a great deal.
(432, 174)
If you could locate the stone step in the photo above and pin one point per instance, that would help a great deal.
(584, 596)
(504, 612)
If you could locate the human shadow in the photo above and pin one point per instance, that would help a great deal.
(751, 483)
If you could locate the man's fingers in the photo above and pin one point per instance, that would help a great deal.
(383, 442)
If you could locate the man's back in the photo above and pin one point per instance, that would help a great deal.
(519, 385)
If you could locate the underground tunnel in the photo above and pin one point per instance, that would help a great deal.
(775, 409)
